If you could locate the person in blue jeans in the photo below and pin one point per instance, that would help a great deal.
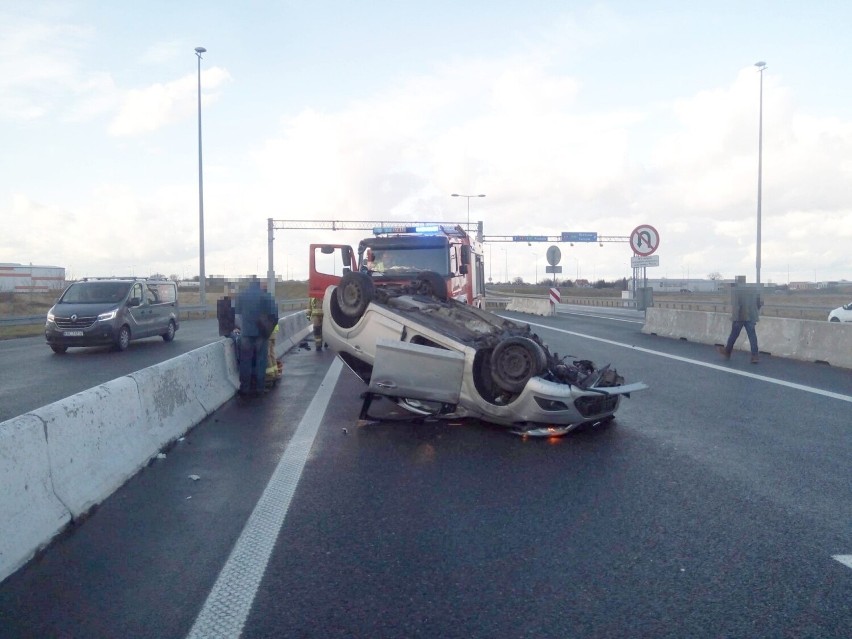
(256, 317)
(745, 313)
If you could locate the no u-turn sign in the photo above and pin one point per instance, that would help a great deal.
(644, 239)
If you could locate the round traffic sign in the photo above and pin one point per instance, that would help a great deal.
(644, 239)
(553, 255)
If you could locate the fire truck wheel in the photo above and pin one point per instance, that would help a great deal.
(430, 283)
(514, 361)
(354, 293)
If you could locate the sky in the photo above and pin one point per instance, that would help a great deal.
(570, 116)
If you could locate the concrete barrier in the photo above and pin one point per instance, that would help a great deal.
(292, 329)
(58, 461)
(805, 340)
(531, 305)
(30, 511)
(96, 440)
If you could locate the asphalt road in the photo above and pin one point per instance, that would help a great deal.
(716, 505)
(32, 375)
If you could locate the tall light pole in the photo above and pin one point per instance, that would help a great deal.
(535, 259)
(468, 203)
(760, 66)
(201, 277)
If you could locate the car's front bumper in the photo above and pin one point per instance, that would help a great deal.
(97, 334)
(551, 403)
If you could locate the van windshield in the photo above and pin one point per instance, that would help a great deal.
(95, 292)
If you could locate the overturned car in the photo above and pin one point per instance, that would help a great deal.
(438, 357)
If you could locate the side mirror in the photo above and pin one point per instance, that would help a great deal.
(463, 269)
(327, 250)
(465, 255)
(134, 301)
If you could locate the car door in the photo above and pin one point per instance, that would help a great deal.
(415, 371)
(138, 312)
(161, 302)
(328, 263)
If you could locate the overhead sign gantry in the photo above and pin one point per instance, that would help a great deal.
(468, 227)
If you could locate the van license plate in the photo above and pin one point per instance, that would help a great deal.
(72, 334)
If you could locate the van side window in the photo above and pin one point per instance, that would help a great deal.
(167, 293)
(161, 293)
(137, 293)
(152, 294)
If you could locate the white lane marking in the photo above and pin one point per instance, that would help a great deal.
(763, 378)
(609, 317)
(229, 602)
(846, 560)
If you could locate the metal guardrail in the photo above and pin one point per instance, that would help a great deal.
(24, 320)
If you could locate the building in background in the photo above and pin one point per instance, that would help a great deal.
(29, 278)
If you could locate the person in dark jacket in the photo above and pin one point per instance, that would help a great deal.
(745, 313)
(257, 316)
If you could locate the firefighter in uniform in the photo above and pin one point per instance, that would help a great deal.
(315, 315)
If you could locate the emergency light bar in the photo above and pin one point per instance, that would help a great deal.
(425, 230)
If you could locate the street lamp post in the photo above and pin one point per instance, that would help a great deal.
(468, 204)
(201, 276)
(760, 66)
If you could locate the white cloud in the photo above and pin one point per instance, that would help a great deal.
(516, 129)
(149, 109)
(39, 64)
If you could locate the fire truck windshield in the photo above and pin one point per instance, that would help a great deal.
(392, 261)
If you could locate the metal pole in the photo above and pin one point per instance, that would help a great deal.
(270, 273)
(201, 275)
(761, 66)
(468, 205)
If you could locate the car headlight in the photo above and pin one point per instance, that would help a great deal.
(50, 317)
(104, 317)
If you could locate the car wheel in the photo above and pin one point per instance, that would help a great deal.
(59, 350)
(515, 361)
(834, 319)
(354, 293)
(169, 335)
(123, 339)
(430, 283)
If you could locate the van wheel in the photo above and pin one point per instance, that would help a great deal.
(123, 339)
(59, 350)
(169, 335)
(354, 293)
(515, 361)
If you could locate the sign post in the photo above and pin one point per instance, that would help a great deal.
(644, 240)
(555, 298)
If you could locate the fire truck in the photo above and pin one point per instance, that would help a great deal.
(443, 259)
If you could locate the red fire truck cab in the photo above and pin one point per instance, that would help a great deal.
(401, 254)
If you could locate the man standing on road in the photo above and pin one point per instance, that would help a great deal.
(257, 316)
(315, 314)
(745, 313)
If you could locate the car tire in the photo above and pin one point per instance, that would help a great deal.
(430, 283)
(59, 350)
(834, 319)
(123, 339)
(169, 335)
(515, 361)
(354, 294)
